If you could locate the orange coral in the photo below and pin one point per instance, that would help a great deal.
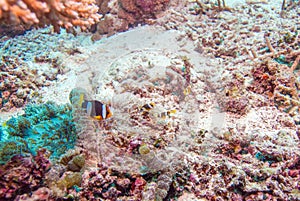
(59, 13)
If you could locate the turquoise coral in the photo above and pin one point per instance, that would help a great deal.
(46, 125)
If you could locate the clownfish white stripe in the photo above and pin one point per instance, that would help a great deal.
(89, 108)
(103, 111)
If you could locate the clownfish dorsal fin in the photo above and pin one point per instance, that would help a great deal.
(81, 99)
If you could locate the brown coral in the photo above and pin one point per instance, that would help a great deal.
(119, 15)
(137, 9)
(74, 160)
(59, 13)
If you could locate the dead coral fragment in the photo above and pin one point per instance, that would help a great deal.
(256, 1)
(275, 81)
(74, 160)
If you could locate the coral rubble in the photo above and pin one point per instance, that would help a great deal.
(28, 65)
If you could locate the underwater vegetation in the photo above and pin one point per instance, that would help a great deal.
(46, 125)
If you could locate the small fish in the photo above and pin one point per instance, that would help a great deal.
(187, 90)
(96, 109)
(146, 108)
(166, 114)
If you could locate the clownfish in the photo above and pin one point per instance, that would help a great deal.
(166, 114)
(93, 108)
(96, 109)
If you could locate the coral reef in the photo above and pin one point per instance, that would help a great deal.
(23, 174)
(138, 143)
(110, 186)
(150, 143)
(42, 126)
(183, 127)
(57, 13)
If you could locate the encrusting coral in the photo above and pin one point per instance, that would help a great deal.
(67, 14)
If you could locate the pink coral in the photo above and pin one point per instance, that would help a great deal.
(138, 185)
(22, 174)
(41, 194)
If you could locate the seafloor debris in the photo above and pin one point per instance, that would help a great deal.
(240, 178)
(278, 84)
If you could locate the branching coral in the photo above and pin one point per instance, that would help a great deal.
(59, 13)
